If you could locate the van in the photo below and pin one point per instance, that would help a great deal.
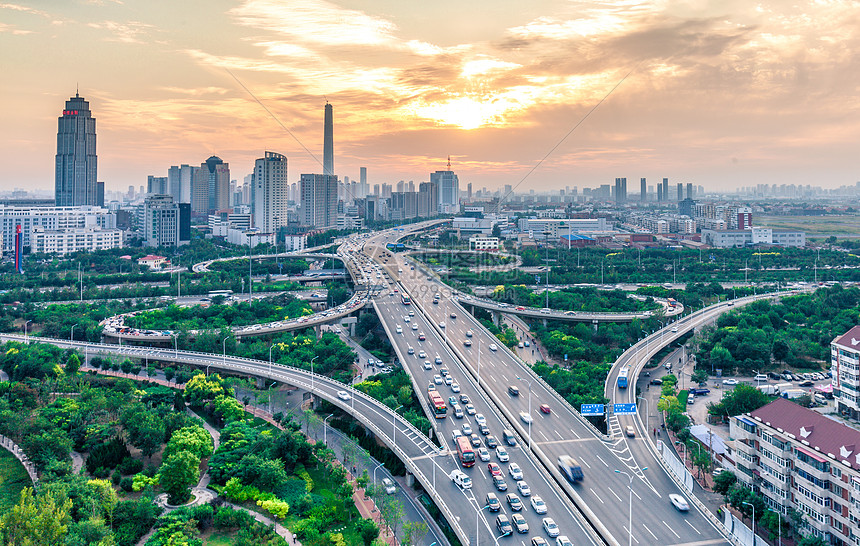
(760, 377)
(820, 399)
(461, 479)
(509, 438)
(458, 411)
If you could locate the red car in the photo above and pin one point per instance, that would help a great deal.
(545, 408)
(494, 469)
(421, 337)
(521, 308)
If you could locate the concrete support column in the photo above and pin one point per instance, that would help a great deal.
(410, 479)
(497, 317)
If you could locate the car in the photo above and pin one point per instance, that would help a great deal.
(388, 485)
(467, 342)
(760, 377)
(679, 502)
(538, 505)
(421, 336)
(431, 387)
(410, 349)
(343, 395)
(458, 411)
(438, 359)
(494, 469)
(513, 390)
(455, 387)
(470, 409)
(455, 434)
(407, 319)
(437, 379)
(493, 347)
(484, 429)
(427, 365)
(414, 326)
(493, 504)
(539, 541)
(492, 443)
(399, 330)
(730, 381)
(515, 471)
(452, 401)
(674, 329)
(524, 489)
(525, 417)
(411, 313)
(807, 383)
(520, 523)
(422, 354)
(467, 429)
(628, 430)
(499, 483)
(484, 454)
(520, 345)
(520, 308)
(453, 315)
(550, 527)
(502, 454)
(441, 325)
(443, 371)
(544, 408)
(563, 541)
(464, 399)
(468, 333)
(527, 343)
(449, 380)
(504, 525)
(480, 419)
(475, 440)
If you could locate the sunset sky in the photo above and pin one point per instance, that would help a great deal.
(721, 93)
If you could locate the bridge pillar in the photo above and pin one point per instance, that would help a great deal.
(261, 383)
(318, 331)
(544, 322)
(595, 323)
(497, 317)
(410, 479)
(352, 329)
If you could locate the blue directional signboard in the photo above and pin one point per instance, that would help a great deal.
(591, 410)
(624, 409)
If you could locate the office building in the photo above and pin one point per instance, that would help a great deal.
(680, 192)
(179, 181)
(800, 460)
(665, 189)
(659, 193)
(270, 192)
(67, 241)
(448, 187)
(76, 161)
(687, 207)
(100, 194)
(428, 199)
(727, 238)
(223, 220)
(50, 219)
(318, 200)
(165, 222)
(157, 185)
(689, 191)
(210, 190)
(328, 142)
(643, 190)
(480, 242)
(845, 368)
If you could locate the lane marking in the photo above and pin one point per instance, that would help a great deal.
(691, 527)
(613, 493)
(598, 496)
(649, 530)
(673, 531)
(602, 461)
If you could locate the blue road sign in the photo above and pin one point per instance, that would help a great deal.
(624, 409)
(537, 278)
(591, 409)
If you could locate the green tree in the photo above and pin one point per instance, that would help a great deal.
(743, 399)
(720, 358)
(724, 481)
(699, 376)
(37, 521)
(73, 364)
(126, 366)
(178, 473)
(146, 431)
(193, 438)
(780, 350)
(812, 541)
(368, 530)
(414, 532)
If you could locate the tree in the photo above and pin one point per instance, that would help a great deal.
(126, 366)
(414, 532)
(780, 350)
(721, 358)
(391, 510)
(194, 439)
(73, 364)
(812, 541)
(724, 481)
(699, 376)
(146, 432)
(107, 496)
(368, 530)
(169, 374)
(775, 523)
(37, 521)
(178, 473)
(743, 399)
(199, 389)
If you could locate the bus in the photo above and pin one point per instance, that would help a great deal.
(225, 293)
(672, 303)
(465, 452)
(437, 404)
(622, 377)
(404, 299)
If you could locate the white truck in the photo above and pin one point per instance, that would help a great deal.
(770, 390)
(460, 478)
(791, 394)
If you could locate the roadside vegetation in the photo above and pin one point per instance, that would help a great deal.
(573, 299)
(215, 316)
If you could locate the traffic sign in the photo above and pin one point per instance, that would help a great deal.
(624, 409)
(591, 410)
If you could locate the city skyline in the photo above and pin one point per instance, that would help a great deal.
(718, 94)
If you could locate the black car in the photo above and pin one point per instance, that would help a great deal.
(513, 390)
(514, 501)
(484, 429)
(464, 399)
(492, 443)
(656, 381)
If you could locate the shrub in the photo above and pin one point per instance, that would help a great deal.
(126, 484)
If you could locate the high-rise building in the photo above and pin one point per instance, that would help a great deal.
(157, 185)
(328, 142)
(211, 188)
(270, 191)
(179, 181)
(665, 189)
(76, 161)
(100, 194)
(428, 199)
(689, 191)
(659, 192)
(448, 185)
(680, 192)
(643, 190)
(318, 200)
(164, 223)
(363, 181)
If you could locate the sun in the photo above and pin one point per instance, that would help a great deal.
(466, 112)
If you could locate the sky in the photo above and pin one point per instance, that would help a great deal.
(722, 93)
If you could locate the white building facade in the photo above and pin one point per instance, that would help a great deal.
(74, 240)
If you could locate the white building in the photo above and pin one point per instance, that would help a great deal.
(162, 221)
(74, 240)
(293, 243)
(349, 222)
(220, 222)
(318, 200)
(845, 367)
(251, 236)
(50, 219)
(560, 226)
(478, 242)
(270, 192)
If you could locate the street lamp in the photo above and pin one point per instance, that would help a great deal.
(630, 509)
(72, 335)
(753, 518)
(374, 471)
(312, 372)
(26, 342)
(175, 346)
(530, 409)
(325, 429)
(478, 520)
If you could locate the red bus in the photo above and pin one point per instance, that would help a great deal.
(672, 303)
(465, 452)
(437, 404)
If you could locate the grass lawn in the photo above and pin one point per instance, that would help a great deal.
(815, 226)
(219, 538)
(13, 478)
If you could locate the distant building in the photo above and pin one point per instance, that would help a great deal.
(221, 221)
(165, 223)
(845, 368)
(328, 141)
(153, 261)
(49, 219)
(318, 200)
(742, 237)
(293, 243)
(478, 242)
(210, 190)
(270, 192)
(68, 241)
(800, 460)
(448, 187)
(576, 241)
(157, 185)
(76, 161)
(179, 181)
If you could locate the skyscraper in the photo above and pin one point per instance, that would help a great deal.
(270, 192)
(318, 200)
(328, 142)
(643, 190)
(680, 192)
(665, 189)
(448, 185)
(211, 188)
(76, 160)
(179, 181)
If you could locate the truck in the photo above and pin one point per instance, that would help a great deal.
(770, 390)
(791, 394)
(782, 387)
(570, 468)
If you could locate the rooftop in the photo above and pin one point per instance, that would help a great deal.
(850, 339)
(834, 440)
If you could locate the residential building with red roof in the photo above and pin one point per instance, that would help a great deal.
(845, 368)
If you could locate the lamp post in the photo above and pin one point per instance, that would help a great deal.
(272, 346)
(647, 415)
(630, 508)
(753, 519)
(312, 373)
(325, 429)
(530, 409)
(478, 520)
(374, 472)
(26, 341)
(72, 335)
(175, 346)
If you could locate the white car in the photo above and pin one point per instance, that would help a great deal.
(563, 541)
(516, 472)
(411, 313)
(388, 485)
(730, 381)
(523, 488)
(410, 350)
(483, 454)
(538, 505)
(455, 387)
(468, 333)
(399, 330)
(550, 527)
(437, 379)
(480, 419)
(414, 326)
(422, 354)
(470, 409)
(427, 365)
(525, 417)
(502, 454)
(493, 347)
(468, 343)
(449, 380)
(407, 319)
(679, 502)
(343, 395)
(467, 429)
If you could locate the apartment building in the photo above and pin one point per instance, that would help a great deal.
(845, 368)
(797, 458)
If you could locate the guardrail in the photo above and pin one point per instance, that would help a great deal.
(15, 449)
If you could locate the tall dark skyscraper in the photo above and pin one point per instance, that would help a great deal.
(665, 190)
(643, 190)
(328, 142)
(76, 162)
